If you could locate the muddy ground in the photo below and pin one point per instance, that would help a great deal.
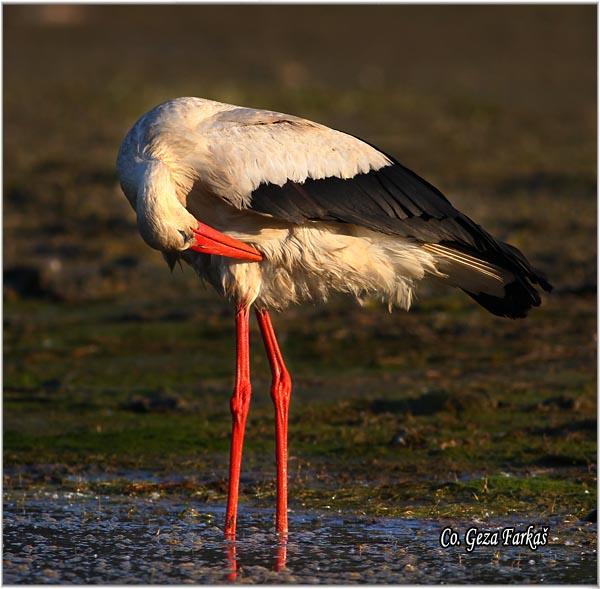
(117, 373)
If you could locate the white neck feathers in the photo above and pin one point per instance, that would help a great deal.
(162, 221)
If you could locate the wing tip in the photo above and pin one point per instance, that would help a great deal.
(519, 298)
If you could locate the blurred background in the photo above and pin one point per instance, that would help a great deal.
(486, 102)
(110, 362)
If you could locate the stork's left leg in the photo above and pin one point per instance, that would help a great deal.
(239, 404)
(281, 389)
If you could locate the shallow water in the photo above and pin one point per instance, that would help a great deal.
(77, 538)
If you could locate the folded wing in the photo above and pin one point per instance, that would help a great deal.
(299, 171)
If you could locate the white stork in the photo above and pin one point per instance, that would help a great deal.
(272, 209)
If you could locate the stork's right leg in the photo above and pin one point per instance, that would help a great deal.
(240, 403)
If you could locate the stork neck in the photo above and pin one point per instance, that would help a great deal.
(162, 221)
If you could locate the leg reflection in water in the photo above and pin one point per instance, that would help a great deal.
(280, 563)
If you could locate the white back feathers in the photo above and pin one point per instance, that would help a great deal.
(230, 149)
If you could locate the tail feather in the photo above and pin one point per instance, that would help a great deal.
(501, 280)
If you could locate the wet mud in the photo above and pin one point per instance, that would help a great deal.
(76, 538)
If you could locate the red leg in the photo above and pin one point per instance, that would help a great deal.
(240, 402)
(281, 388)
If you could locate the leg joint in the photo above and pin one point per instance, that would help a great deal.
(240, 401)
(281, 389)
(282, 380)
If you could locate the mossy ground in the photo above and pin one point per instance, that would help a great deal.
(112, 366)
(486, 431)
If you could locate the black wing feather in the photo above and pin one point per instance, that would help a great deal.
(389, 200)
(396, 201)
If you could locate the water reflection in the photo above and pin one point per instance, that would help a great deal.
(73, 538)
(281, 554)
(231, 560)
(231, 557)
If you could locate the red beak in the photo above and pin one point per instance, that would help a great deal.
(210, 241)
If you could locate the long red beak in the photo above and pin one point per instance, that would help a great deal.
(210, 241)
